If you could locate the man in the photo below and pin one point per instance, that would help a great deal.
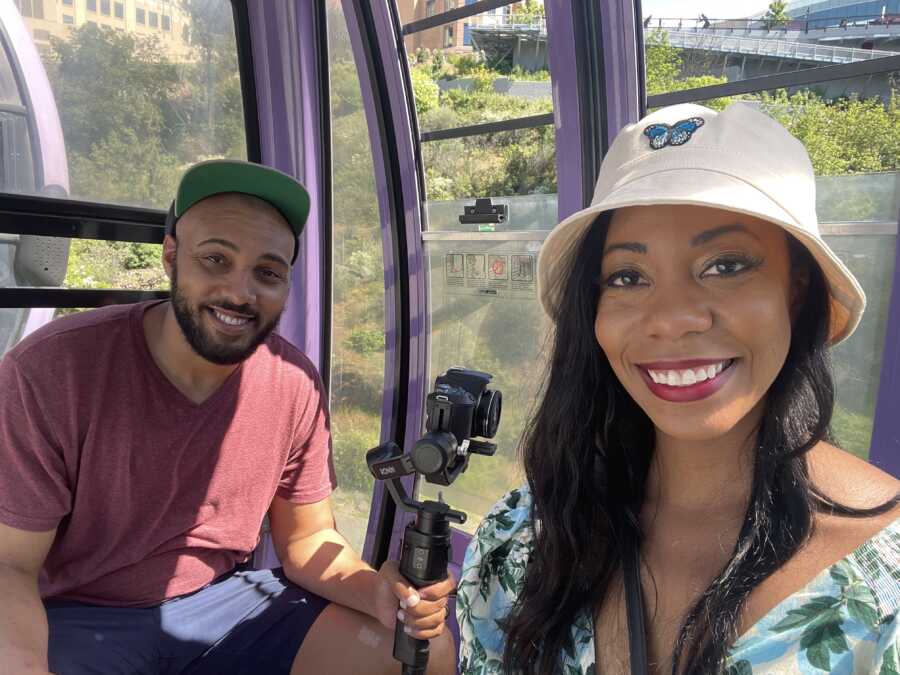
(141, 447)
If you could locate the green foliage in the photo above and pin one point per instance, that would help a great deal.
(425, 91)
(528, 11)
(366, 341)
(776, 15)
(141, 256)
(842, 137)
(852, 431)
(353, 434)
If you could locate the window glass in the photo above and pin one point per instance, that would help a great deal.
(153, 19)
(485, 68)
(9, 89)
(68, 19)
(357, 356)
(140, 16)
(92, 5)
(484, 312)
(166, 22)
(505, 163)
(120, 10)
(687, 52)
(129, 131)
(104, 7)
(131, 128)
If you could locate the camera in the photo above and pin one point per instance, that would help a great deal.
(460, 407)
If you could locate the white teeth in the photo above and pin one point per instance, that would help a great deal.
(230, 320)
(685, 378)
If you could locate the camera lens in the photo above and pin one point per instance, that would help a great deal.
(487, 416)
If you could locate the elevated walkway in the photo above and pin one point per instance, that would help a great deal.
(714, 41)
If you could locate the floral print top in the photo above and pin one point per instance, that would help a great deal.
(844, 621)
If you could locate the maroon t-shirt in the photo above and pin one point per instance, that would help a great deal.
(152, 495)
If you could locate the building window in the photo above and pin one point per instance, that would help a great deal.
(92, 5)
(154, 20)
(429, 8)
(31, 8)
(68, 3)
(140, 16)
(68, 19)
(120, 10)
(166, 22)
(104, 7)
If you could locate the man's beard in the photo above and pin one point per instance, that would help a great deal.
(202, 341)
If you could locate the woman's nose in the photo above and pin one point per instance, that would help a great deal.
(672, 312)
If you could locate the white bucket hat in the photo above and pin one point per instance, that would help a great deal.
(738, 160)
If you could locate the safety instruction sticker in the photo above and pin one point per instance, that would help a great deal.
(492, 274)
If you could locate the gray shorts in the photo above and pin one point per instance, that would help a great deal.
(249, 621)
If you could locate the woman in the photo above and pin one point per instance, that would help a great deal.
(680, 450)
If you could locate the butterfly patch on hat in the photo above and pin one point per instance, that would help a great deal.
(661, 134)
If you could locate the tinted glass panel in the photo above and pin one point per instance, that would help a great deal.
(357, 357)
(488, 67)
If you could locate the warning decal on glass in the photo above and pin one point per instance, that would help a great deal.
(491, 274)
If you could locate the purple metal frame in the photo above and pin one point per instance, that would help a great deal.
(885, 446)
(564, 76)
(288, 99)
(620, 64)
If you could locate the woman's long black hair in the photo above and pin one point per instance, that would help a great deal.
(587, 453)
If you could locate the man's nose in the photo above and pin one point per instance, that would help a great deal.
(240, 288)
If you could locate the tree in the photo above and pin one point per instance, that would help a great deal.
(776, 15)
(528, 11)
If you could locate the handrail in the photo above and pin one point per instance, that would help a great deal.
(772, 47)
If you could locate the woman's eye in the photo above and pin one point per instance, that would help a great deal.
(728, 267)
(214, 259)
(624, 279)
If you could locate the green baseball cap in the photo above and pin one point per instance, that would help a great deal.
(219, 176)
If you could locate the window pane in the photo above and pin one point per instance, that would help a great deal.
(170, 99)
(357, 356)
(485, 68)
(505, 163)
(682, 53)
(485, 315)
(859, 219)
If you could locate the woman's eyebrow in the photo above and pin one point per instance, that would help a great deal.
(632, 246)
(709, 235)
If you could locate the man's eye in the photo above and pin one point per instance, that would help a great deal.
(624, 279)
(270, 275)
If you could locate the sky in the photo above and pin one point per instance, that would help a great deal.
(714, 9)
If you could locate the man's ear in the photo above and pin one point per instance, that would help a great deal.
(170, 247)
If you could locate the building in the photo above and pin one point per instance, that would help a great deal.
(451, 37)
(163, 18)
(828, 13)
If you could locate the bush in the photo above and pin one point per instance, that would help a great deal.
(366, 341)
(141, 256)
